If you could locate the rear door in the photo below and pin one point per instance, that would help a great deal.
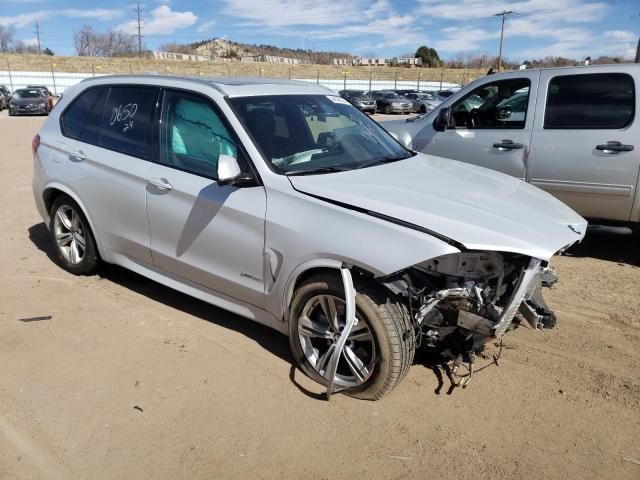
(585, 141)
(488, 131)
(106, 148)
(210, 234)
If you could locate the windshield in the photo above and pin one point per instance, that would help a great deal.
(27, 94)
(392, 95)
(426, 96)
(301, 134)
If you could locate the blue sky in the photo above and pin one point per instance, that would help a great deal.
(573, 28)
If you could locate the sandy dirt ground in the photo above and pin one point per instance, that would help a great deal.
(129, 379)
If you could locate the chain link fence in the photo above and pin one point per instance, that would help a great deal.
(75, 69)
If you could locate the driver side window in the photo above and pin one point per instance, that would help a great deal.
(494, 105)
(193, 135)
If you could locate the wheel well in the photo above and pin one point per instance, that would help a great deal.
(357, 272)
(311, 272)
(49, 196)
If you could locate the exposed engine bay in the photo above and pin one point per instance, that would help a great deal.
(459, 302)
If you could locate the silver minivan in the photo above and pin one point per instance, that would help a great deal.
(570, 131)
(283, 203)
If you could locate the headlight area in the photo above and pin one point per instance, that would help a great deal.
(461, 301)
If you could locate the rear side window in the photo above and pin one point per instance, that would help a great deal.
(74, 120)
(593, 101)
(126, 119)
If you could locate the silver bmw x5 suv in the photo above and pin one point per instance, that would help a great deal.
(283, 203)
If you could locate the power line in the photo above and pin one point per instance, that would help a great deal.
(38, 36)
(139, 11)
(502, 14)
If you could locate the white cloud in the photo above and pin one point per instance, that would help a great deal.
(30, 42)
(26, 19)
(204, 27)
(23, 19)
(104, 14)
(622, 35)
(559, 27)
(285, 13)
(161, 21)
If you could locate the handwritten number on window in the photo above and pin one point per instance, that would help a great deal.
(122, 116)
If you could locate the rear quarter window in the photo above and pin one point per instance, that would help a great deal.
(590, 101)
(74, 120)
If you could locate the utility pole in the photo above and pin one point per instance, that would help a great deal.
(139, 11)
(502, 14)
(38, 37)
(638, 47)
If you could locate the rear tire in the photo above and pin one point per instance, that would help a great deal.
(72, 238)
(386, 320)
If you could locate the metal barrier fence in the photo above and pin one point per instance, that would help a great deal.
(57, 82)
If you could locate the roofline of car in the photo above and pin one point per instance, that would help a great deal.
(209, 81)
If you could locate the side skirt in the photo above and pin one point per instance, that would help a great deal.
(197, 291)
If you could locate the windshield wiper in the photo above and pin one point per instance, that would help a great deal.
(387, 159)
(314, 171)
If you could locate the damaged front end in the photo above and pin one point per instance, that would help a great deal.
(461, 301)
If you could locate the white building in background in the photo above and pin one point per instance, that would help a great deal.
(276, 59)
(182, 56)
(346, 62)
(414, 62)
(374, 62)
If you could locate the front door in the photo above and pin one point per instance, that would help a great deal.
(493, 126)
(210, 234)
(585, 143)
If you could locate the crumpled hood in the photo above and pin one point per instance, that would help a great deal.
(477, 207)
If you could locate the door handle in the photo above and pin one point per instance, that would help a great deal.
(508, 145)
(614, 147)
(160, 183)
(79, 155)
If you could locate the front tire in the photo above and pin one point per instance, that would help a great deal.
(72, 237)
(388, 110)
(381, 345)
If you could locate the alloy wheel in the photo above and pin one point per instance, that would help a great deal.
(319, 328)
(69, 234)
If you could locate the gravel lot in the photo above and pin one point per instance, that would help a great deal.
(129, 379)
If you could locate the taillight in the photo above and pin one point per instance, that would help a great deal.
(35, 143)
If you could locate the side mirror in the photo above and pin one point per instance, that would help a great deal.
(443, 120)
(228, 170)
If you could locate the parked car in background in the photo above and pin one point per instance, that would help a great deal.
(390, 102)
(257, 195)
(571, 131)
(423, 102)
(359, 99)
(29, 101)
(445, 93)
(403, 93)
(45, 93)
(5, 91)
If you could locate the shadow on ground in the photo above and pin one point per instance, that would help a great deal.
(614, 244)
(269, 339)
